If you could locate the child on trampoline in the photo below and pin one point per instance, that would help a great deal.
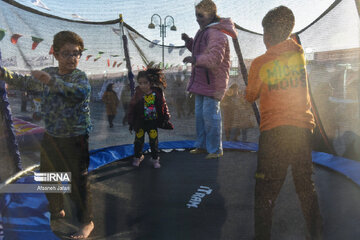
(65, 97)
(147, 112)
(279, 79)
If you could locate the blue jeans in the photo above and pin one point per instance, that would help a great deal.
(208, 124)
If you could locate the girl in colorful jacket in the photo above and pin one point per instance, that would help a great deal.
(210, 74)
(147, 112)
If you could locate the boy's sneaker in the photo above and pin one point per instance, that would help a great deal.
(214, 155)
(198, 150)
(156, 162)
(136, 162)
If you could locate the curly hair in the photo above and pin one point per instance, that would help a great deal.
(64, 37)
(155, 76)
(279, 22)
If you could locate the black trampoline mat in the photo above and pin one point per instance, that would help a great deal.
(191, 197)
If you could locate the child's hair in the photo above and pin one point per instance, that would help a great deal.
(64, 37)
(279, 22)
(210, 7)
(154, 75)
(109, 87)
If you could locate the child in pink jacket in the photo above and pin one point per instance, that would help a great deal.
(210, 75)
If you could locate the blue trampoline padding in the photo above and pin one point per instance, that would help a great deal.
(349, 168)
(25, 216)
(107, 155)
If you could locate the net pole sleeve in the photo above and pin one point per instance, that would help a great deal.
(127, 57)
(314, 110)
(244, 74)
(8, 132)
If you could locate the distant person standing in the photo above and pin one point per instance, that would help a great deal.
(112, 102)
(286, 124)
(210, 75)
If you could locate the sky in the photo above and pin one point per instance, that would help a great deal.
(137, 14)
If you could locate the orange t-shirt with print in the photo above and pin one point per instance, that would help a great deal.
(278, 78)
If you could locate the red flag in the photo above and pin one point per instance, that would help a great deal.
(14, 38)
(95, 59)
(36, 42)
(108, 62)
(88, 57)
(119, 64)
(114, 64)
(51, 50)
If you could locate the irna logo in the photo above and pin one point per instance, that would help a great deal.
(52, 177)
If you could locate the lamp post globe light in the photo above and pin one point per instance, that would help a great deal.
(168, 22)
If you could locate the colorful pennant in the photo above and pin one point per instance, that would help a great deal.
(2, 33)
(15, 37)
(36, 42)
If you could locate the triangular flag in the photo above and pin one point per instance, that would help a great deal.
(84, 49)
(40, 4)
(2, 33)
(51, 51)
(36, 42)
(116, 31)
(95, 59)
(14, 38)
(119, 64)
(88, 57)
(115, 55)
(171, 48)
(108, 62)
(114, 64)
(153, 43)
(100, 52)
(182, 50)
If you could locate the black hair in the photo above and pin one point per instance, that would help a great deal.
(109, 87)
(154, 75)
(279, 22)
(64, 37)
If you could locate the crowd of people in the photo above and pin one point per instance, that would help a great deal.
(286, 119)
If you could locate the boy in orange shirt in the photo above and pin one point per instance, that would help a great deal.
(278, 78)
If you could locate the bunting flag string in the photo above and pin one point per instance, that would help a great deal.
(37, 40)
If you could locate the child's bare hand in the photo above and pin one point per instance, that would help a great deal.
(42, 76)
(189, 59)
(185, 37)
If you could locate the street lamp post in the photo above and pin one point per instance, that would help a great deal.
(163, 27)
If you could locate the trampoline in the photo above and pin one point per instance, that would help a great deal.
(191, 197)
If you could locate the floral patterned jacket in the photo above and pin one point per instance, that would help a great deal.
(64, 106)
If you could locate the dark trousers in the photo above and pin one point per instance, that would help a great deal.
(278, 149)
(111, 119)
(69, 155)
(151, 129)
